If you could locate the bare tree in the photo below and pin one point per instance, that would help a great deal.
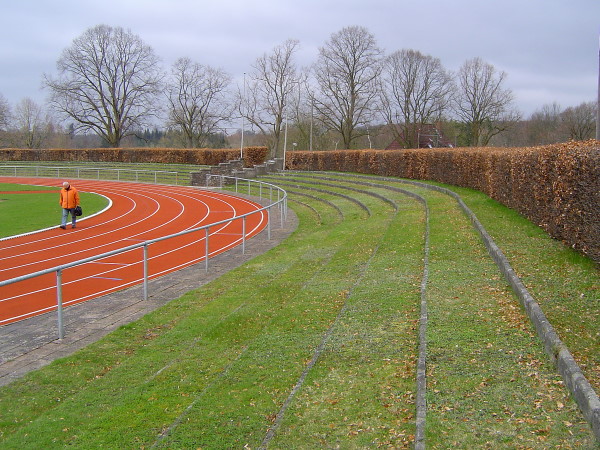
(32, 124)
(304, 132)
(483, 104)
(580, 121)
(270, 87)
(545, 126)
(197, 102)
(5, 118)
(347, 74)
(108, 83)
(4, 113)
(416, 90)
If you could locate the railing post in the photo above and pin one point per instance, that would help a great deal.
(244, 235)
(206, 250)
(145, 271)
(59, 304)
(269, 222)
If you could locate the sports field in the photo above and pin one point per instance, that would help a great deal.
(315, 343)
(26, 208)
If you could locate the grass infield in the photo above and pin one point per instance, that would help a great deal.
(318, 338)
(17, 202)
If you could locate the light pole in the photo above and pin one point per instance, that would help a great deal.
(245, 110)
(598, 104)
(312, 103)
(286, 124)
(284, 140)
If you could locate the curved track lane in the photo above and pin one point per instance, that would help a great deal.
(138, 212)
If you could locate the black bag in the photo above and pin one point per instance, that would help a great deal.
(78, 211)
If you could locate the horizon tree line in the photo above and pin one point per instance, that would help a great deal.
(110, 85)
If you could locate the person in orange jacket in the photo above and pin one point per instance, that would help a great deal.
(69, 199)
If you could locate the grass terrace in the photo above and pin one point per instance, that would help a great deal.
(315, 343)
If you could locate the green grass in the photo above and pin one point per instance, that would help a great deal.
(486, 367)
(22, 213)
(565, 283)
(213, 368)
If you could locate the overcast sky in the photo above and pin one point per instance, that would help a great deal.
(548, 48)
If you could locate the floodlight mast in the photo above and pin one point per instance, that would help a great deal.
(244, 108)
(598, 103)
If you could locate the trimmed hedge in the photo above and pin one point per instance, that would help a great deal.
(200, 156)
(555, 186)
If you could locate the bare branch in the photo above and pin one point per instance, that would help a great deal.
(483, 104)
(347, 74)
(196, 100)
(416, 90)
(270, 87)
(108, 83)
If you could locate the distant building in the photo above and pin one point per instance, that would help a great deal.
(428, 137)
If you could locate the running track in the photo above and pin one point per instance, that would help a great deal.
(139, 212)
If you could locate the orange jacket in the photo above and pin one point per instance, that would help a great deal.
(69, 198)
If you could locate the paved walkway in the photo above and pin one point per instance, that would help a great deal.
(33, 343)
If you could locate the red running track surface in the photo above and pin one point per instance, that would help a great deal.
(139, 212)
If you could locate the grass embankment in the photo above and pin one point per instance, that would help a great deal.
(214, 368)
(22, 212)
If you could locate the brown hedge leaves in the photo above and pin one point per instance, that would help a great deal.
(555, 186)
(200, 156)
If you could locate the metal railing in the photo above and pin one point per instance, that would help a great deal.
(260, 187)
(98, 173)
